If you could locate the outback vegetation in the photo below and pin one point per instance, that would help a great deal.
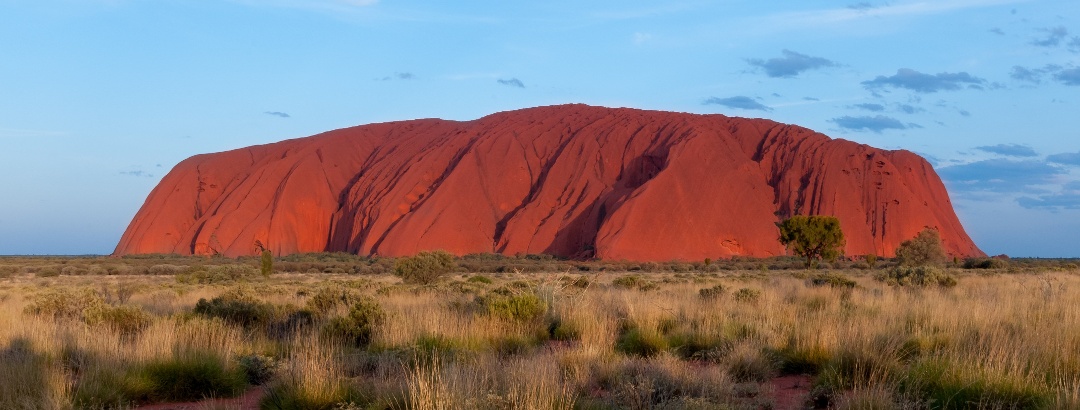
(337, 331)
(814, 237)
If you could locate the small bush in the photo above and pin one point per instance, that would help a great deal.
(524, 307)
(985, 263)
(62, 304)
(425, 268)
(918, 276)
(635, 341)
(712, 293)
(191, 376)
(259, 369)
(950, 387)
(7, 271)
(126, 320)
(923, 250)
(835, 280)
(746, 364)
(217, 274)
(628, 281)
(289, 396)
(747, 295)
(236, 307)
(564, 330)
(329, 298)
(359, 326)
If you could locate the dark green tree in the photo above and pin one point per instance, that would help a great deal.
(812, 237)
(924, 249)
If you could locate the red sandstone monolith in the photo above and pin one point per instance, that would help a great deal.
(572, 180)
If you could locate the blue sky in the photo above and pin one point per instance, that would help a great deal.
(100, 98)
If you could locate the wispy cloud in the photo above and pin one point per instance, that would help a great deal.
(1011, 150)
(877, 123)
(278, 114)
(399, 76)
(741, 102)
(137, 173)
(1052, 38)
(1001, 175)
(1068, 158)
(925, 83)
(1067, 198)
(1069, 77)
(863, 6)
(908, 109)
(512, 82)
(790, 64)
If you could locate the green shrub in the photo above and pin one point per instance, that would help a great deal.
(190, 376)
(287, 396)
(425, 268)
(923, 250)
(747, 295)
(126, 320)
(628, 281)
(257, 368)
(63, 304)
(329, 297)
(523, 307)
(47, 272)
(835, 280)
(746, 364)
(564, 330)
(712, 293)
(216, 274)
(697, 345)
(635, 341)
(985, 263)
(918, 276)
(948, 386)
(359, 326)
(237, 307)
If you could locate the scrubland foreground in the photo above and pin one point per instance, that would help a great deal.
(345, 334)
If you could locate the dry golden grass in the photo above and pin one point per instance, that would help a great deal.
(994, 341)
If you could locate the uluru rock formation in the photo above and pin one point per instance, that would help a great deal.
(572, 180)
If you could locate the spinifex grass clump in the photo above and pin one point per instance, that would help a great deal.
(187, 376)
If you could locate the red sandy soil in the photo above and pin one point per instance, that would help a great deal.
(571, 180)
(248, 401)
(790, 392)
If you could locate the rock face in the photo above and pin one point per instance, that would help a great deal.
(572, 180)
